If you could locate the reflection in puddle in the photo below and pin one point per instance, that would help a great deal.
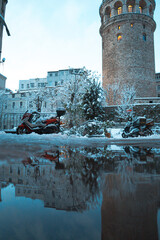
(123, 184)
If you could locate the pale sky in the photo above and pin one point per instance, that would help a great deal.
(49, 35)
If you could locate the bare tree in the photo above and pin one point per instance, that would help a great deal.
(112, 93)
(128, 94)
(41, 96)
(71, 95)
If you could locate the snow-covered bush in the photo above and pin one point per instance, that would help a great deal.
(90, 128)
(92, 101)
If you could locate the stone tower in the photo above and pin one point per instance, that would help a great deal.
(2, 22)
(127, 30)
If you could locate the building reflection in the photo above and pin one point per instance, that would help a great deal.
(130, 214)
(72, 180)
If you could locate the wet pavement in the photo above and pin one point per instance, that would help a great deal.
(88, 192)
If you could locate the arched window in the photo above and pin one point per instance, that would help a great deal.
(142, 6)
(130, 5)
(118, 8)
(119, 37)
(140, 9)
(107, 13)
(130, 8)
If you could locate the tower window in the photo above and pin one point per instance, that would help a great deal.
(119, 37)
(130, 8)
(144, 37)
(108, 13)
(118, 7)
(140, 9)
(119, 10)
(142, 6)
(151, 10)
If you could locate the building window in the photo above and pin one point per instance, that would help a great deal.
(130, 8)
(158, 95)
(119, 10)
(144, 37)
(27, 85)
(56, 74)
(56, 83)
(22, 85)
(13, 95)
(131, 25)
(158, 87)
(144, 26)
(13, 105)
(30, 105)
(119, 37)
(23, 94)
(21, 104)
(119, 27)
(50, 74)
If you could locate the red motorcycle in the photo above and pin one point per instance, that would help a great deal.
(31, 124)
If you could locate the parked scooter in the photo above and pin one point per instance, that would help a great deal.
(139, 127)
(30, 124)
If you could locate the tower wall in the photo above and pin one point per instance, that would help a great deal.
(128, 45)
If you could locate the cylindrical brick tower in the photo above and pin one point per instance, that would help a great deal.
(127, 30)
(2, 22)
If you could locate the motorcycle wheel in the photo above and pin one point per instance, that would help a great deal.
(21, 131)
(124, 135)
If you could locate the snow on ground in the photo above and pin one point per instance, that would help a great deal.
(34, 142)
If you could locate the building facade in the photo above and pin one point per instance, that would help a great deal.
(32, 84)
(127, 30)
(2, 82)
(59, 78)
(33, 94)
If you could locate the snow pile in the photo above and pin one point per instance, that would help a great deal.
(115, 132)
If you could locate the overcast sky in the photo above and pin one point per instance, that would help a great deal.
(52, 35)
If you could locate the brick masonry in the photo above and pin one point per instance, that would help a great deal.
(130, 60)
